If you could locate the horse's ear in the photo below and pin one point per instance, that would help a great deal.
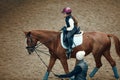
(27, 34)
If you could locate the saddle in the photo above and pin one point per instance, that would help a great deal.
(77, 39)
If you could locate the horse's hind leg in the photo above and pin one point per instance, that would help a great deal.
(98, 64)
(112, 62)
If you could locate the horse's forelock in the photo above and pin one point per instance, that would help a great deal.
(27, 34)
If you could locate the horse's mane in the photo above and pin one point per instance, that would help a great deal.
(45, 31)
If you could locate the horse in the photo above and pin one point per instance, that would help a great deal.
(97, 43)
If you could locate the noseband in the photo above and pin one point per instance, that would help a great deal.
(30, 47)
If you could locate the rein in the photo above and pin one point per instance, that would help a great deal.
(43, 61)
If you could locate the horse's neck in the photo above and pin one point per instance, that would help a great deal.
(48, 38)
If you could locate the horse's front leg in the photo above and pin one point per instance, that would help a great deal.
(64, 64)
(51, 64)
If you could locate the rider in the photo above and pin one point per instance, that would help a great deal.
(80, 70)
(71, 28)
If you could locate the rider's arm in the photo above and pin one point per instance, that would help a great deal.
(76, 70)
(71, 23)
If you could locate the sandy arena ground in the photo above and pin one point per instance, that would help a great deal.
(17, 16)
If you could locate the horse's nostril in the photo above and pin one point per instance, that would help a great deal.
(29, 52)
(27, 48)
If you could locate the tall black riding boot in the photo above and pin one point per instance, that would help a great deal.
(69, 50)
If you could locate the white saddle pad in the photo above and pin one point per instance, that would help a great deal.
(77, 40)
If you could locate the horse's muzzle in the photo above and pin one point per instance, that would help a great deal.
(30, 49)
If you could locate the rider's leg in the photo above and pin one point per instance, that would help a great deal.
(70, 42)
(70, 35)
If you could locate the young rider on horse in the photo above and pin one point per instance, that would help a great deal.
(71, 28)
(80, 70)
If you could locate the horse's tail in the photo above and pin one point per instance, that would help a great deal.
(117, 43)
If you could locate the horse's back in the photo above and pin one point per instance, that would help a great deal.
(96, 40)
(97, 35)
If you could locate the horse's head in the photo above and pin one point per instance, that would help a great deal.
(31, 42)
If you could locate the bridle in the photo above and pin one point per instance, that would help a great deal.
(34, 47)
(31, 48)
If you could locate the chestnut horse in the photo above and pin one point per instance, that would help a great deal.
(98, 43)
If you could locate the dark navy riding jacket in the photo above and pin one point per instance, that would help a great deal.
(67, 21)
(71, 26)
(71, 21)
